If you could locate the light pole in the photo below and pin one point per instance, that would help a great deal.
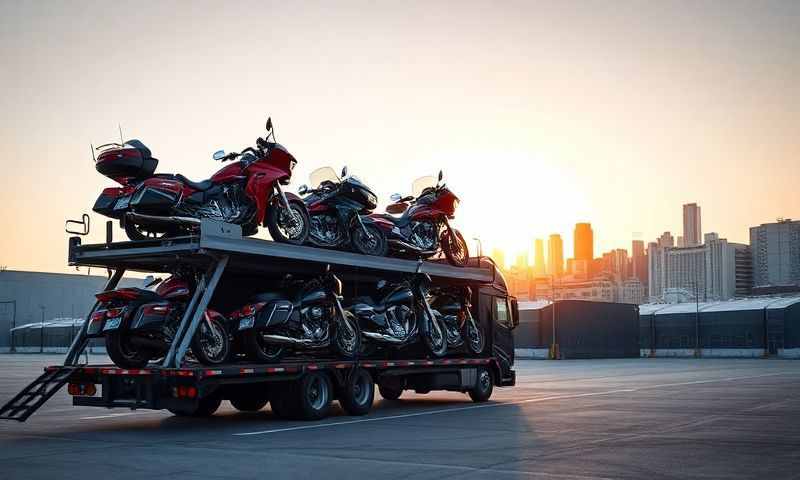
(13, 323)
(697, 349)
(553, 344)
(480, 248)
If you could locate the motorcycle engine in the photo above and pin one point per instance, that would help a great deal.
(423, 234)
(325, 229)
(315, 322)
(229, 205)
(397, 320)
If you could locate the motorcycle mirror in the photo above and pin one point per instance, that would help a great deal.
(269, 124)
(381, 284)
(440, 175)
(302, 189)
(395, 197)
(219, 155)
(344, 171)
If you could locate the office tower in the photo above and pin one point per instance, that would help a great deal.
(583, 242)
(555, 255)
(692, 231)
(681, 242)
(639, 262)
(539, 268)
(666, 240)
(776, 253)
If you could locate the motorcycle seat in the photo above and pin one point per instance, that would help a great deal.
(268, 297)
(202, 186)
(378, 307)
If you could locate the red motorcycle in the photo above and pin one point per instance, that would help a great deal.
(422, 227)
(247, 192)
(139, 324)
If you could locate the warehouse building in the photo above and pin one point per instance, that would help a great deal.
(583, 329)
(46, 303)
(752, 327)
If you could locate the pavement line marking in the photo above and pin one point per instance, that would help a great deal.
(115, 415)
(493, 405)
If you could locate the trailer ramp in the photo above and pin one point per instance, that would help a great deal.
(26, 402)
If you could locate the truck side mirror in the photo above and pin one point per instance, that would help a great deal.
(514, 312)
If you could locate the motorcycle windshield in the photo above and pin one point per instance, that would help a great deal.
(421, 184)
(323, 174)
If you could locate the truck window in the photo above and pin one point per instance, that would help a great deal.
(502, 313)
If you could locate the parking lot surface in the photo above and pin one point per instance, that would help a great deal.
(580, 419)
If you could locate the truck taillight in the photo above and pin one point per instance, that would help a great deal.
(81, 389)
(182, 391)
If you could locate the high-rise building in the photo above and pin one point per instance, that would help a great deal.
(584, 242)
(776, 253)
(555, 255)
(539, 267)
(718, 270)
(692, 230)
(681, 242)
(615, 264)
(639, 262)
(666, 240)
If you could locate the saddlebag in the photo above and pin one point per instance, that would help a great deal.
(132, 160)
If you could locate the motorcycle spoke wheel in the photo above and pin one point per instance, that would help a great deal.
(288, 225)
(476, 340)
(347, 336)
(455, 248)
(210, 343)
(370, 242)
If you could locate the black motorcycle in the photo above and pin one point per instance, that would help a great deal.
(399, 314)
(303, 315)
(337, 209)
(453, 305)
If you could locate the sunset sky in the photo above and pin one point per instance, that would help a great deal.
(541, 114)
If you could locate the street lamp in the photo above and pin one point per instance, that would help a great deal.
(553, 344)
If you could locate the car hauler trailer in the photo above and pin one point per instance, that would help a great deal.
(299, 387)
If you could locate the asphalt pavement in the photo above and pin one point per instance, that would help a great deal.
(578, 419)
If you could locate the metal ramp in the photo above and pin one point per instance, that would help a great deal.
(26, 402)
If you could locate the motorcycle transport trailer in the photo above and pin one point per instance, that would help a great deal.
(298, 387)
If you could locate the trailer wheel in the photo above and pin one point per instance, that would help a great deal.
(389, 393)
(205, 407)
(314, 396)
(357, 392)
(281, 404)
(249, 404)
(484, 386)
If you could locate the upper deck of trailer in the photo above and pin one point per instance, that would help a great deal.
(254, 256)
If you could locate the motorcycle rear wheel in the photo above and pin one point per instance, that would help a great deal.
(280, 229)
(455, 248)
(259, 350)
(140, 232)
(123, 353)
(371, 242)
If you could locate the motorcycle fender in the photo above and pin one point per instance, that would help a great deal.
(381, 223)
(151, 316)
(274, 313)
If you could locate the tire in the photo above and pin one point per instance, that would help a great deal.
(484, 386)
(123, 353)
(249, 404)
(474, 337)
(455, 248)
(435, 344)
(260, 351)
(205, 407)
(281, 402)
(376, 245)
(139, 232)
(347, 345)
(389, 393)
(276, 217)
(357, 393)
(314, 394)
(210, 344)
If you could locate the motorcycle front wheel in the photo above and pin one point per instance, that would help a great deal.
(370, 242)
(347, 336)
(288, 225)
(210, 344)
(455, 248)
(476, 340)
(433, 338)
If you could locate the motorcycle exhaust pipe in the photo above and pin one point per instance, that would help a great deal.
(408, 246)
(155, 219)
(380, 337)
(148, 343)
(294, 341)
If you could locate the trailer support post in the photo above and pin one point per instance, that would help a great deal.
(184, 336)
(80, 341)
